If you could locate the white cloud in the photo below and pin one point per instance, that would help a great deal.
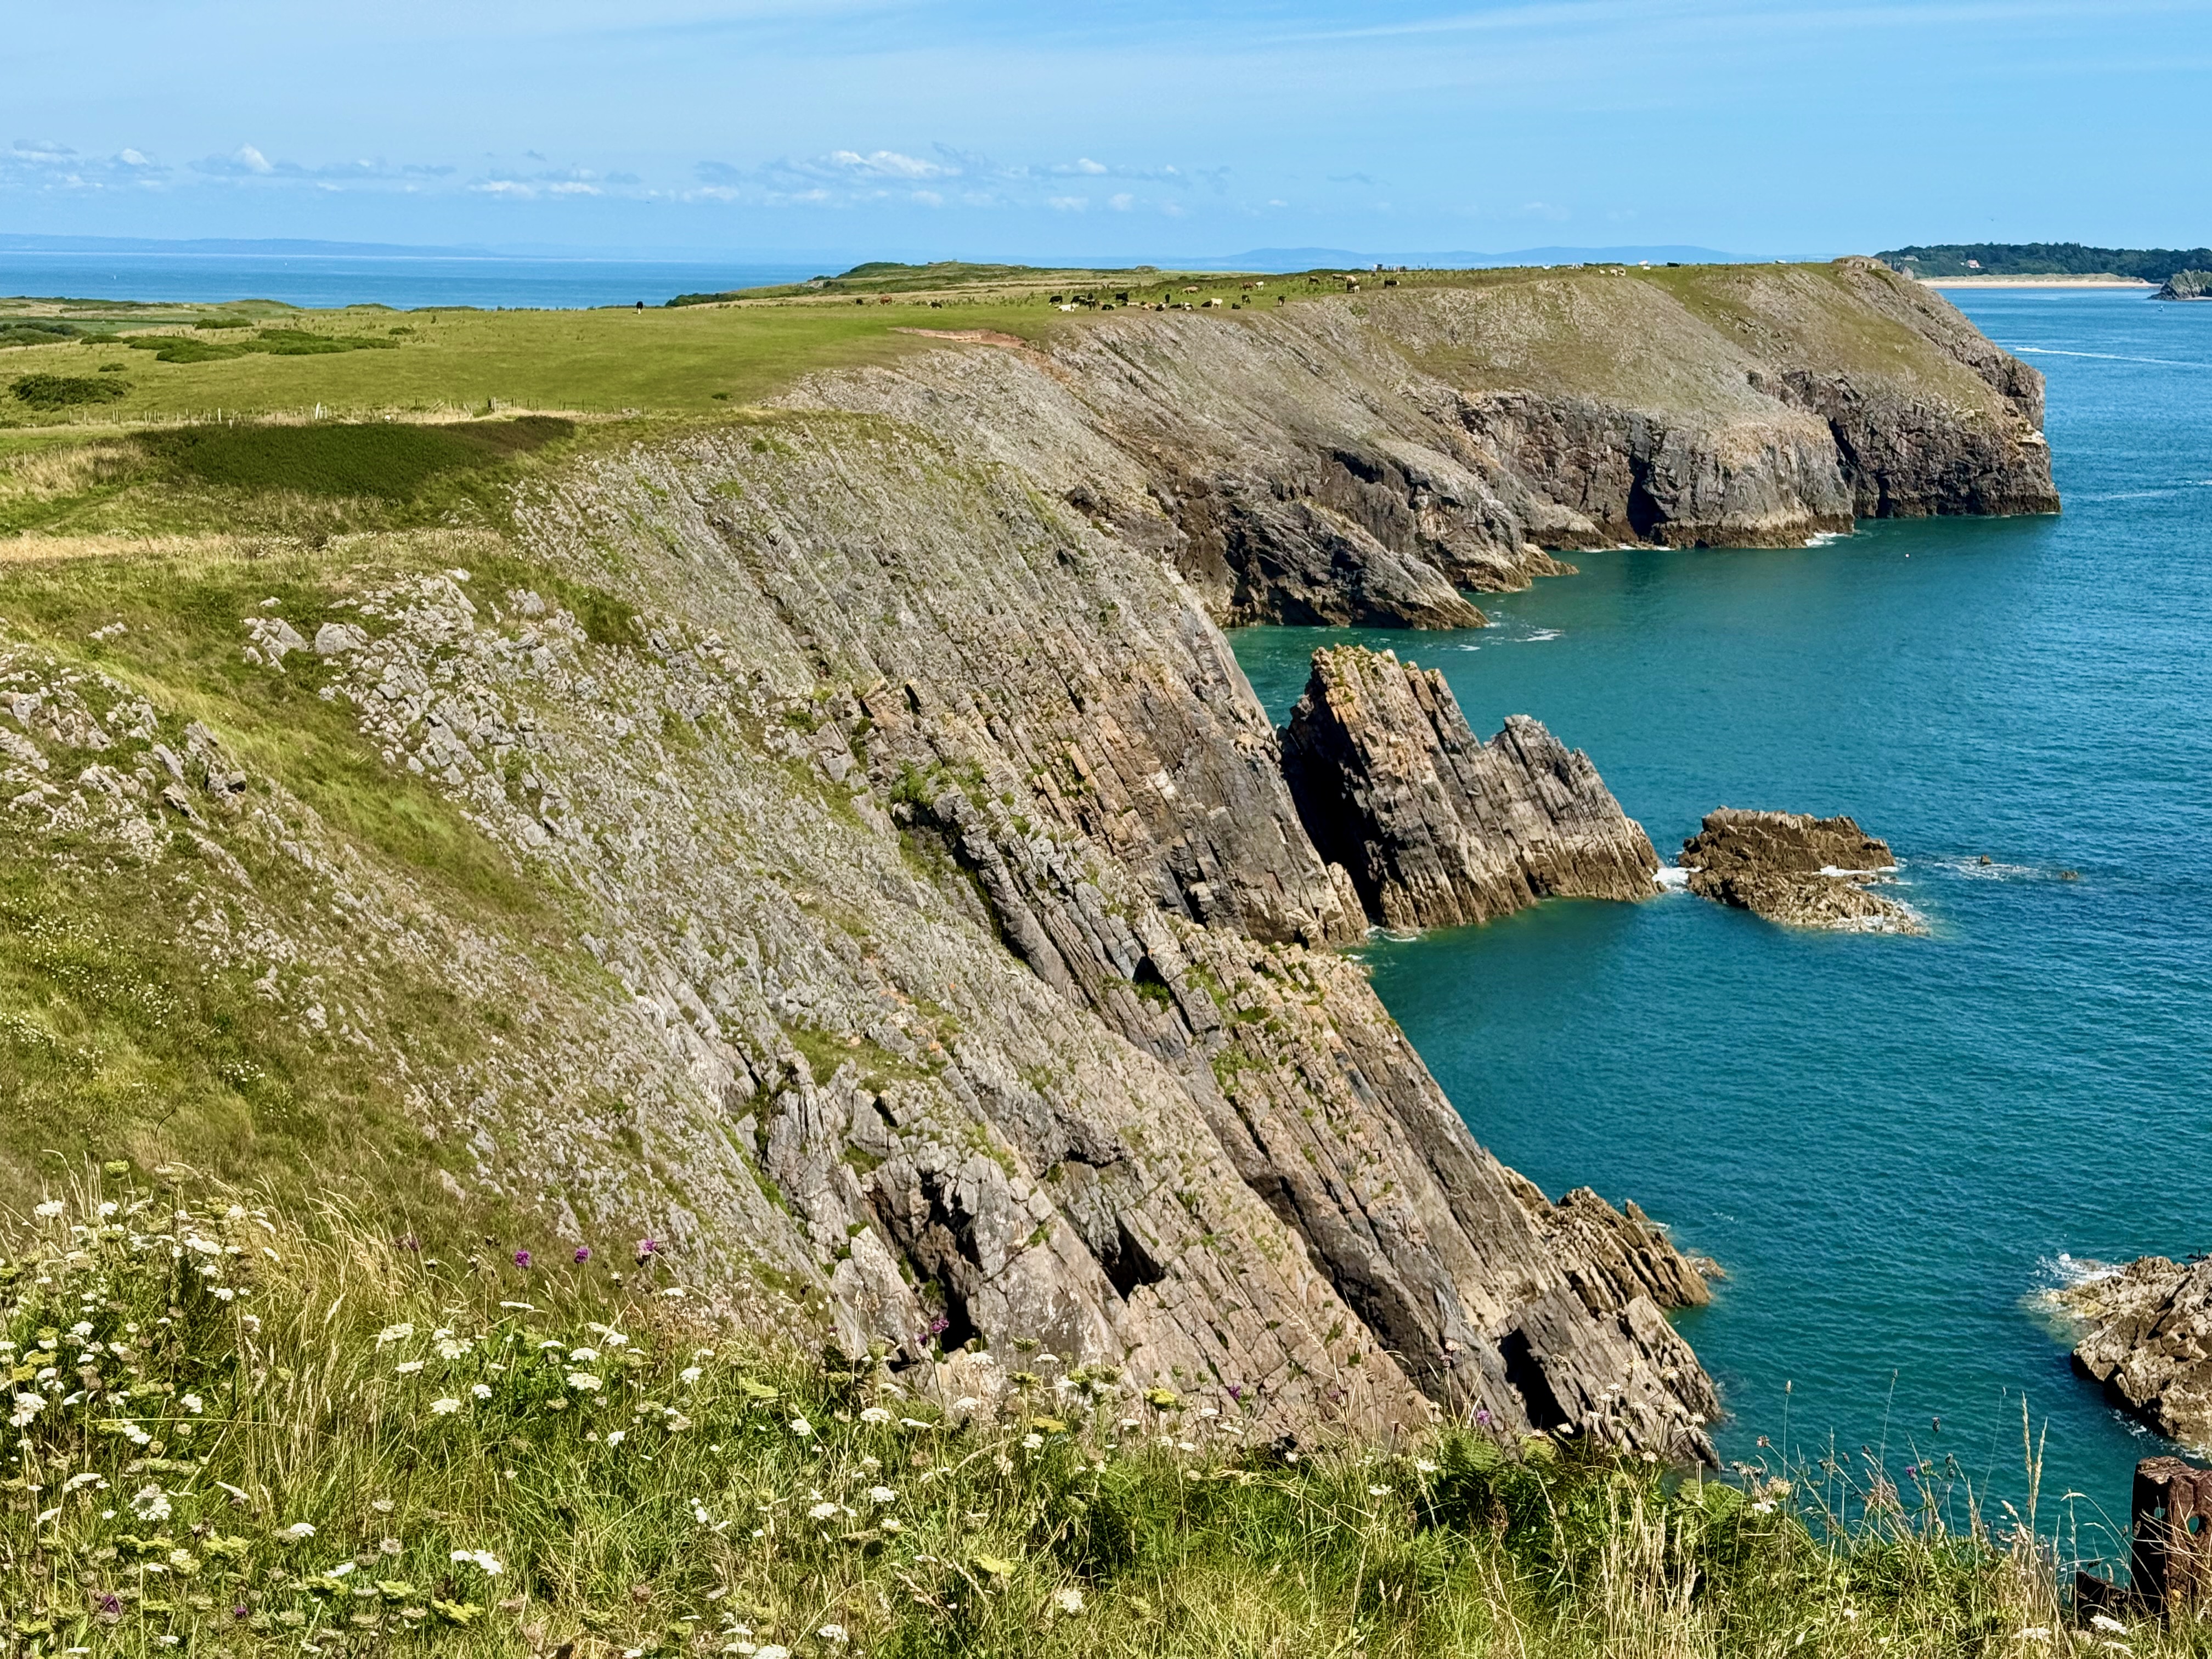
(1121, 201)
(1084, 164)
(252, 159)
(886, 164)
(1067, 204)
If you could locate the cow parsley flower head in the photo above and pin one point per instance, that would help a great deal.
(823, 1512)
(50, 1209)
(444, 1407)
(801, 1427)
(584, 1382)
(151, 1504)
(484, 1560)
(874, 1415)
(298, 1533)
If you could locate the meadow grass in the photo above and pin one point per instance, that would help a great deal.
(239, 1428)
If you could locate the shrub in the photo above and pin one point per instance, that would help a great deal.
(386, 461)
(65, 390)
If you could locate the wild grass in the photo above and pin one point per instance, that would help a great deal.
(235, 1428)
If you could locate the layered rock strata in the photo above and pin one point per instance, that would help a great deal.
(1796, 870)
(919, 929)
(2186, 285)
(2149, 1342)
(1436, 826)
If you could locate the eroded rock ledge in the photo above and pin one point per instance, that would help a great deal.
(2149, 1342)
(1796, 870)
(1436, 827)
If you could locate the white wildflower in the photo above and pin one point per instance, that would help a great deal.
(80, 1330)
(192, 1403)
(484, 1560)
(801, 1427)
(2033, 1633)
(407, 1367)
(772, 1651)
(77, 1482)
(450, 1346)
(1378, 1492)
(1067, 1599)
(480, 1390)
(583, 1356)
(617, 1437)
(391, 1334)
(914, 1423)
(2105, 1621)
(689, 1375)
(823, 1512)
(341, 1570)
(967, 1403)
(130, 1431)
(444, 1407)
(1032, 1443)
(832, 1633)
(875, 1415)
(27, 1406)
(584, 1382)
(881, 1495)
(50, 1209)
(298, 1533)
(151, 1504)
(1762, 1507)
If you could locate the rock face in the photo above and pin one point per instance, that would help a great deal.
(1797, 869)
(1362, 461)
(2186, 285)
(911, 918)
(2149, 1342)
(1436, 826)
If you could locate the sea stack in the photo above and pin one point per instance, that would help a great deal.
(2186, 285)
(1437, 828)
(1796, 870)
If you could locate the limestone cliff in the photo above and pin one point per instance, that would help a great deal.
(882, 885)
(1364, 459)
(1437, 828)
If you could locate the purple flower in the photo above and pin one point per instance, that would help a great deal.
(522, 1258)
(238, 1612)
(1482, 1415)
(940, 1325)
(1237, 1392)
(646, 1247)
(411, 1242)
(583, 1254)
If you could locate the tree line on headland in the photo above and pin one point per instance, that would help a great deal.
(2151, 265)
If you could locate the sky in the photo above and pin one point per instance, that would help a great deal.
(980, 130)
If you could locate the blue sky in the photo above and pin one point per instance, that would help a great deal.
(1043, 130)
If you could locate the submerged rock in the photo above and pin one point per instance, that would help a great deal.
(2149, 1341)
(1796, 870)
(1436, 827)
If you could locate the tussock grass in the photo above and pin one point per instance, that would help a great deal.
(238, 1429)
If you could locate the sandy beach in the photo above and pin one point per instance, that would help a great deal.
(2107, 281)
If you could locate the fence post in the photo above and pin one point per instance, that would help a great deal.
(2171, 1519)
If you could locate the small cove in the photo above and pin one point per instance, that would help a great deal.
(1893, 1144)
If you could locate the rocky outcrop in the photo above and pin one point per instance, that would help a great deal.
(1436, 828)
(1797, 869)
(2149, 1342)
(2186, 285)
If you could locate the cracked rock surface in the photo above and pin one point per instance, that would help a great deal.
(1796, 870)
(2149, 1342)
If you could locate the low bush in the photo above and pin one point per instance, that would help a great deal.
(50, 392)
(385, 460)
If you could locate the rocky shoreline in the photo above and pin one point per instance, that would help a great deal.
(2149, 1342)
(1797, 871)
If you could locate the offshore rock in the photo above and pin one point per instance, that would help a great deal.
(1796, 870)
(1436, 826)
(2186, 285)
(2149, 1342)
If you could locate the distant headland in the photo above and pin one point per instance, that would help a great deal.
(2042, 262)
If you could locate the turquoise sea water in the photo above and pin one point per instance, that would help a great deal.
(1892, 1144)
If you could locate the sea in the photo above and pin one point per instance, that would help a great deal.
(1895, 1146)
(404, 282)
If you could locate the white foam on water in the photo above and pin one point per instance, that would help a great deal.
(1826, 537)
(2110, 356)
(1672, 878)
(2067, 1272)
(1885, 870)
(1540, 635)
